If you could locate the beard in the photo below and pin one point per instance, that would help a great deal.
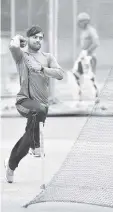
(34, 47)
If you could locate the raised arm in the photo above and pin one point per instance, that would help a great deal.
(54, 70)
(15, 48)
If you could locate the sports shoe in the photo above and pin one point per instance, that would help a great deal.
(9, 173)
(35, 152)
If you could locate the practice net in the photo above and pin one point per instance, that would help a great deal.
(86, 175)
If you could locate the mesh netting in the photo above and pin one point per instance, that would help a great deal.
(107, 91)
(86, 175)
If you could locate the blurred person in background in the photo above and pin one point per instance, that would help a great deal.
(35, 68)
(89, 39)
(85, 65)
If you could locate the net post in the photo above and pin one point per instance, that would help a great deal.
(12, 7)
(42, 155)
(74, 5)
(56, 8)
(52, 36)
(29, 13)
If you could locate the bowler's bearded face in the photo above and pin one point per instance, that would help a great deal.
(35, 41)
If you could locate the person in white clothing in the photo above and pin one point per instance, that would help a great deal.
(85, 65)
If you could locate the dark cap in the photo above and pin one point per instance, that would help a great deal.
(34, 30)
